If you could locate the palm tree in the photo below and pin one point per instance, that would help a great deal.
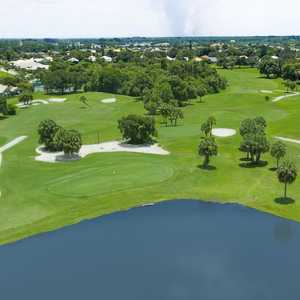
(211, 121)
(278, 151)
(287, 174)
(207, 148)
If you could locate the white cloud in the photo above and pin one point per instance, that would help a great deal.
(99, 18)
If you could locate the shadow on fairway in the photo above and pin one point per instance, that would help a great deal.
(245, 159)
(273, 169)
(207, 168)
(284, 201)
(250, 165)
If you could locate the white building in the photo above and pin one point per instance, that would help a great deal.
(31, 64)
(92, 58)
(73, 60)
(107, 58)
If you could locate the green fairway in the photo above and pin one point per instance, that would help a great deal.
(38, 196)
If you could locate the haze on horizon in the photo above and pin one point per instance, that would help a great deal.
(119, 18)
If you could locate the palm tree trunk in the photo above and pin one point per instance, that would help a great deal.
(285, 190)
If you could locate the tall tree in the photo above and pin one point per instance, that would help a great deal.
(207, 148)
(287, 174)
(278, 151)
(71, 142)
(137, 129)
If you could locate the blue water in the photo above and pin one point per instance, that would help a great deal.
(173, 250)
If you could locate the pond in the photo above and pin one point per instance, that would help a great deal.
(173, 250)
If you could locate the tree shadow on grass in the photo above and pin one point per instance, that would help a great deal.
(284, 201)
(251, 165)
(274, 169)
(207, 168)
(245, 159)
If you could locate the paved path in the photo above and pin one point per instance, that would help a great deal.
(11, 144)
(284, 97)
(287, 140)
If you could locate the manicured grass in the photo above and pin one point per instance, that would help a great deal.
(38, 197)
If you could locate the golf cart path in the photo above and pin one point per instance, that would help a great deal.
(287, 140)
(10, 145)
(284, 97)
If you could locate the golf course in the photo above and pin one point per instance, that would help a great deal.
(38, 196)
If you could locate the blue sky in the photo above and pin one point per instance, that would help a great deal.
(99, 18)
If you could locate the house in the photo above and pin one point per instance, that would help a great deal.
(73, 60)
(8, 90)
(3, 90)
(31, 64)
(213, 59)
(92, 58)
(107, 58)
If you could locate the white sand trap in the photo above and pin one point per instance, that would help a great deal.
(39, 101)
(287, 140)
(284, 97)
(111, 100)
(21, 105)
(107, 147)
(266, 92)
(223, 132)
(57, 100)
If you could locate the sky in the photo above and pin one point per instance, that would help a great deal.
(127, 18)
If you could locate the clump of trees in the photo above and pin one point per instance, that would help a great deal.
(171, 114)
(137, 129)
(270, 67)
(56, 138)
(7, 109)
(150, 80)
(255, 142)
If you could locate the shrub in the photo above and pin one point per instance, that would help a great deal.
(137, 129)
(47, 130)
(11, 109)
(71, 142)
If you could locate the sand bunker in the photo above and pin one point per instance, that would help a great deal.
(57, 100)
(41, 101)
(86, 150)
(111, 100)
(223, 132)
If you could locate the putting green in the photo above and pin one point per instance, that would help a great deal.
(89, 180)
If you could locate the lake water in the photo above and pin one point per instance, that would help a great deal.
(173, 250)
